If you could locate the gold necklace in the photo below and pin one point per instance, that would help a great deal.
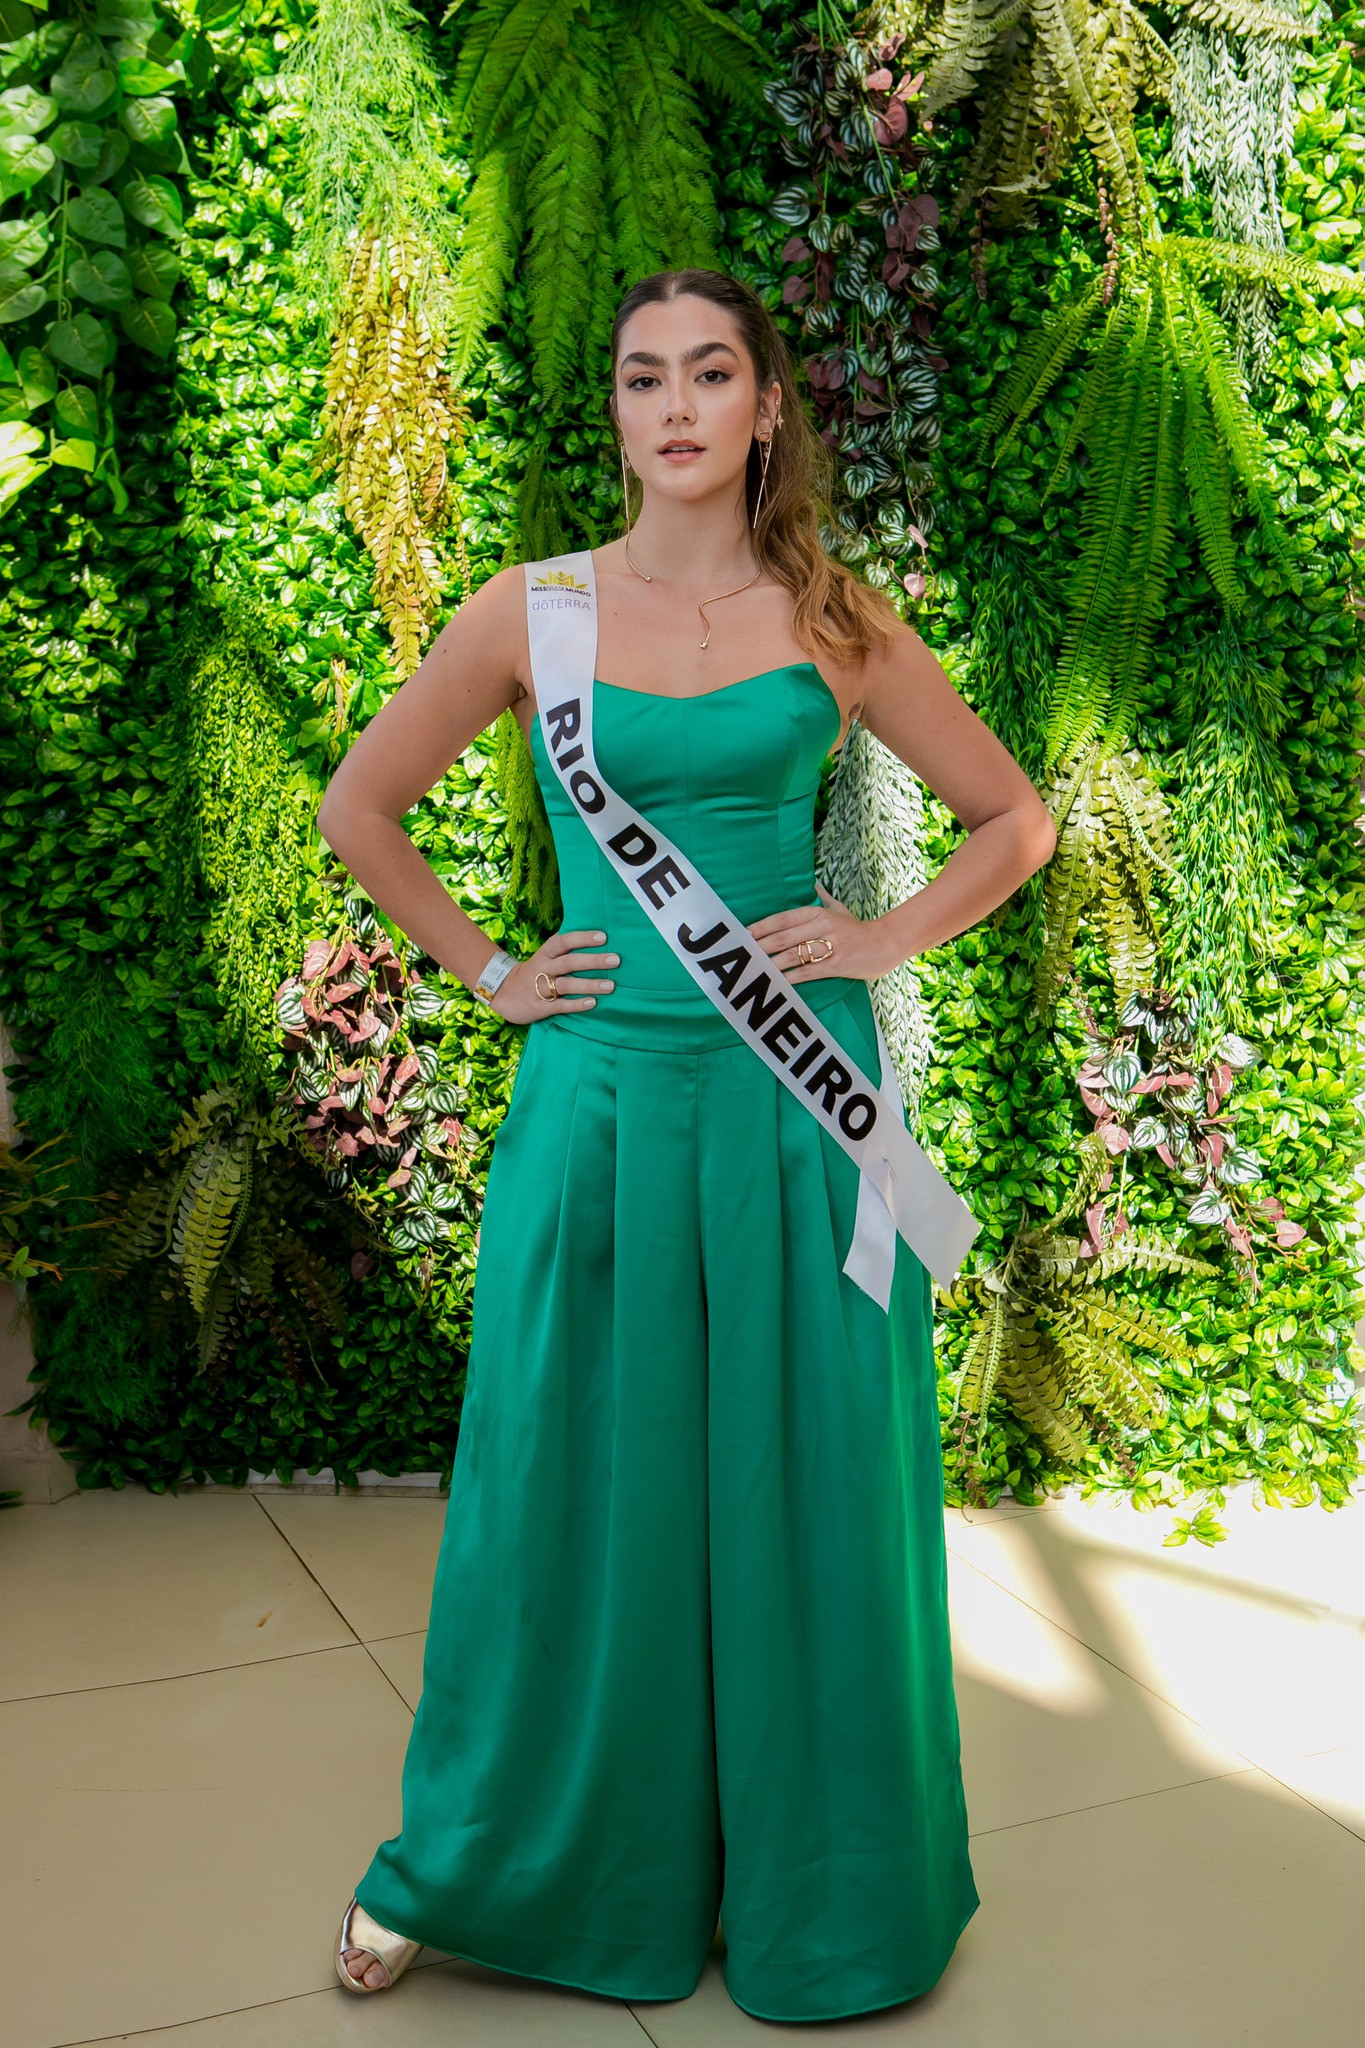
(706, 600)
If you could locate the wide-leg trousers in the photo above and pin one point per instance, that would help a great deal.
(688, 1652)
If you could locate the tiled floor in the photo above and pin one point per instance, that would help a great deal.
(204, 1703)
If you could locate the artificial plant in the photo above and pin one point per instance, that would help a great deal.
(91, 212)
(240, 839)
(860, 279)
(375, 254)
(1243, 1387)
(367, 1092)
(219, 449)
(227, 1206)
(1050, 79)
(582, 125)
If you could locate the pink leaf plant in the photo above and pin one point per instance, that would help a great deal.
(1147, 1090)
(371, 1100)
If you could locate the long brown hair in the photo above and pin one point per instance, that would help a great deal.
(834, 612)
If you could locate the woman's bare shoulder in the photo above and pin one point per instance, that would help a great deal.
(489, 629)
(858, 682)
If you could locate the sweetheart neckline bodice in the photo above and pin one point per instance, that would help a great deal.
(700, 696)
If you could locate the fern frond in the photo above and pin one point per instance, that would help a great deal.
(256, 1252)
(564, 205)
(140, 1220)
(981, 1363)
(1107, 123)
(1032, 1382)
(1015, 171)
(508, 49)
(1135, 812)
(1121, 460)
(713, 51)
(1123, 929)
(663, 211)
(1093, 1160)
(1041, 366)
(1249, 18)
(1069, 883)
(1105, 1378)
(1205, 462)
(215, 1317)
(1127, 648)
(1241, 431)
(969, 36)
(1095, 392)
(1151, 1254)
(1280, 268)
(206, 1214)
(1135, 1323)
(533, 871)
(488, 261)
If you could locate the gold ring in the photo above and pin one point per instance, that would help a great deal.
(829, 948)
(549, 993)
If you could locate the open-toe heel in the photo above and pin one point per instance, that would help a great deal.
(358, 1930)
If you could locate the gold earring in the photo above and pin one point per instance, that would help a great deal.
(625, 484)
(766, 445)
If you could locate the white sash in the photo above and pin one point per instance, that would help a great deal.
(901, 1190)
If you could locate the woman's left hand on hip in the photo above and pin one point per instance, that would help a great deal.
(818, 940)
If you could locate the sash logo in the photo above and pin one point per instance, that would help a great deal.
(560, 579)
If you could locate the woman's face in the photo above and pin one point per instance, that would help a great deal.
(687, 399)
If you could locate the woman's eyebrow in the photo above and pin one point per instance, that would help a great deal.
(706, 348)
(694, 355)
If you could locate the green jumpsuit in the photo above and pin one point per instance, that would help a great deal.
(688, 1651)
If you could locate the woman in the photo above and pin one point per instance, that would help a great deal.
(688, 1651)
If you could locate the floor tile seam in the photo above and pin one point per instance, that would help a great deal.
(289, 1544)
(641, 2025)
(200, 2019)
(176, 1677)
(1204, 1727)
(388, 1680)
(1124, 1799)
(1356, 1833)
(262, 2005)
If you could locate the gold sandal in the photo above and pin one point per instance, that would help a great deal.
(358, 1930)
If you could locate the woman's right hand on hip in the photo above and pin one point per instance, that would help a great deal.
(557, 977)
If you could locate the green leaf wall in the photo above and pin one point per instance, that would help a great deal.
(103, 902)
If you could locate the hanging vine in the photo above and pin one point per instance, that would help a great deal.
(1048, 78)
(376, 251)
(392, 427)
(1232, 125)
(859, 273)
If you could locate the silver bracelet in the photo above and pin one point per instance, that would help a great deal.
(495, 973)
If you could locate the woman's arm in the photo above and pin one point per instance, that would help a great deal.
(908, 703)
(472, 673)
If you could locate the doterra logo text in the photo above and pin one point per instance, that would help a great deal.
(559, 591)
